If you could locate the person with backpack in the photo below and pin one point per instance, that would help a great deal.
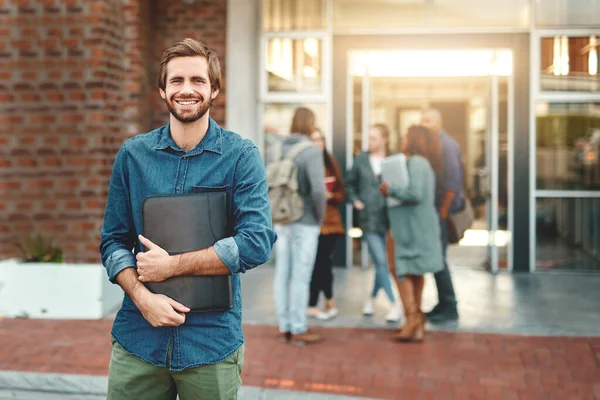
(298, 199)
(331, 231)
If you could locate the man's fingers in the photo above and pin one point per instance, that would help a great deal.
(178, 306)
(147, 243)
(178, 318)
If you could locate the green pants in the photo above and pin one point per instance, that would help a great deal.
(129, 377)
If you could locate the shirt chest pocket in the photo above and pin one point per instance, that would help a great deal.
(212, 189)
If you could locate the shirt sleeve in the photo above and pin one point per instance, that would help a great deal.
(316, 178)
(452, 167)
(117, 236)
(253, 238)
(414, 192)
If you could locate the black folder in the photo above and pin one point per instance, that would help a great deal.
(184, 223)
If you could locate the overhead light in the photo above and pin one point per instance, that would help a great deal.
(593, 56)
(564, 56)
(560, 61)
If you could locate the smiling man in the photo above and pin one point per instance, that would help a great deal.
(160, 350)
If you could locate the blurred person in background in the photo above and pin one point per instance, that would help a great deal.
(414, 227)
(362, 188)
(331, 231)
(296, 246)
(448, 199)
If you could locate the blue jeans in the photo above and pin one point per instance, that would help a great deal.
(443, 279)
(296, 250)
(377, 250)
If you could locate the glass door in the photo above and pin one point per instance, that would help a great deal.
(358, 106)
(494, 176)
(476, 108)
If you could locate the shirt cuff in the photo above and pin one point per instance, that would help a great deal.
(228, 251)
(117, 262)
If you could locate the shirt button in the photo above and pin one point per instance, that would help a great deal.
(178, 187)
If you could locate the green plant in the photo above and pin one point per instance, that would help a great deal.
(37, 248)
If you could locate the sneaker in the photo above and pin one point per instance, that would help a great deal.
(444, 315)
(434, 311)
(313, 312)
(305, 338)
(394, 314)
(284, 337)
(328, 314)
(368, 308)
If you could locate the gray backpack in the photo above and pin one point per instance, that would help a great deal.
(287, 205)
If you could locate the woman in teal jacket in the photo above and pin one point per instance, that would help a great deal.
(415, 228)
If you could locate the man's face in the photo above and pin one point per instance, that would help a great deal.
(431, 122)
(188, 94)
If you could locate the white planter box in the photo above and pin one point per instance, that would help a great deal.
(61, 291)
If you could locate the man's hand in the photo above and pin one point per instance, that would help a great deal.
(156, 264)
(383, 188)
(359, 205)
(160, 310)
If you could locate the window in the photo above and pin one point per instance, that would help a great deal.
(568, 146)
(294, 65)
(570, 64)
(568, 233)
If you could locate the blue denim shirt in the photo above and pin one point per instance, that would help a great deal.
(153, 164)
(453, 173)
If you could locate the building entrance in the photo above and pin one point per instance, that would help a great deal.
(473, 90)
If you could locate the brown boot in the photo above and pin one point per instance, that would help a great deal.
(307, 337)
(391, 259)
(413, 328)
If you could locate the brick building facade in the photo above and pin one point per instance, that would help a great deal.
(77, 78)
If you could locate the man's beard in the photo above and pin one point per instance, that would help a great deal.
(204, 107)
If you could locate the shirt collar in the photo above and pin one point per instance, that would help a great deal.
(212, 141)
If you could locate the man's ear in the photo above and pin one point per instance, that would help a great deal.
(162, 94)
(214, 94)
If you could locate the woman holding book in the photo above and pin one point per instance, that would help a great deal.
(414, 227)
(331, 231)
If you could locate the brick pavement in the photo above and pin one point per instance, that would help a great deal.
(352, 361)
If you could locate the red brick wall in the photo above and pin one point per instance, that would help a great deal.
(205, 21)
(62, 74)
(77, 77)
(139, 84)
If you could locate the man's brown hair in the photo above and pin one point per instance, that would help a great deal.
(303, 121)
(191, 48)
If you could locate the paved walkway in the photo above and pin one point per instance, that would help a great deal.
(545, 303)
(531, 358)
(352, 361)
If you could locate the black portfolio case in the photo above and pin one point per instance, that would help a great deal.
(184, 223)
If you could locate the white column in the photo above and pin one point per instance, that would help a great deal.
(241, 109)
